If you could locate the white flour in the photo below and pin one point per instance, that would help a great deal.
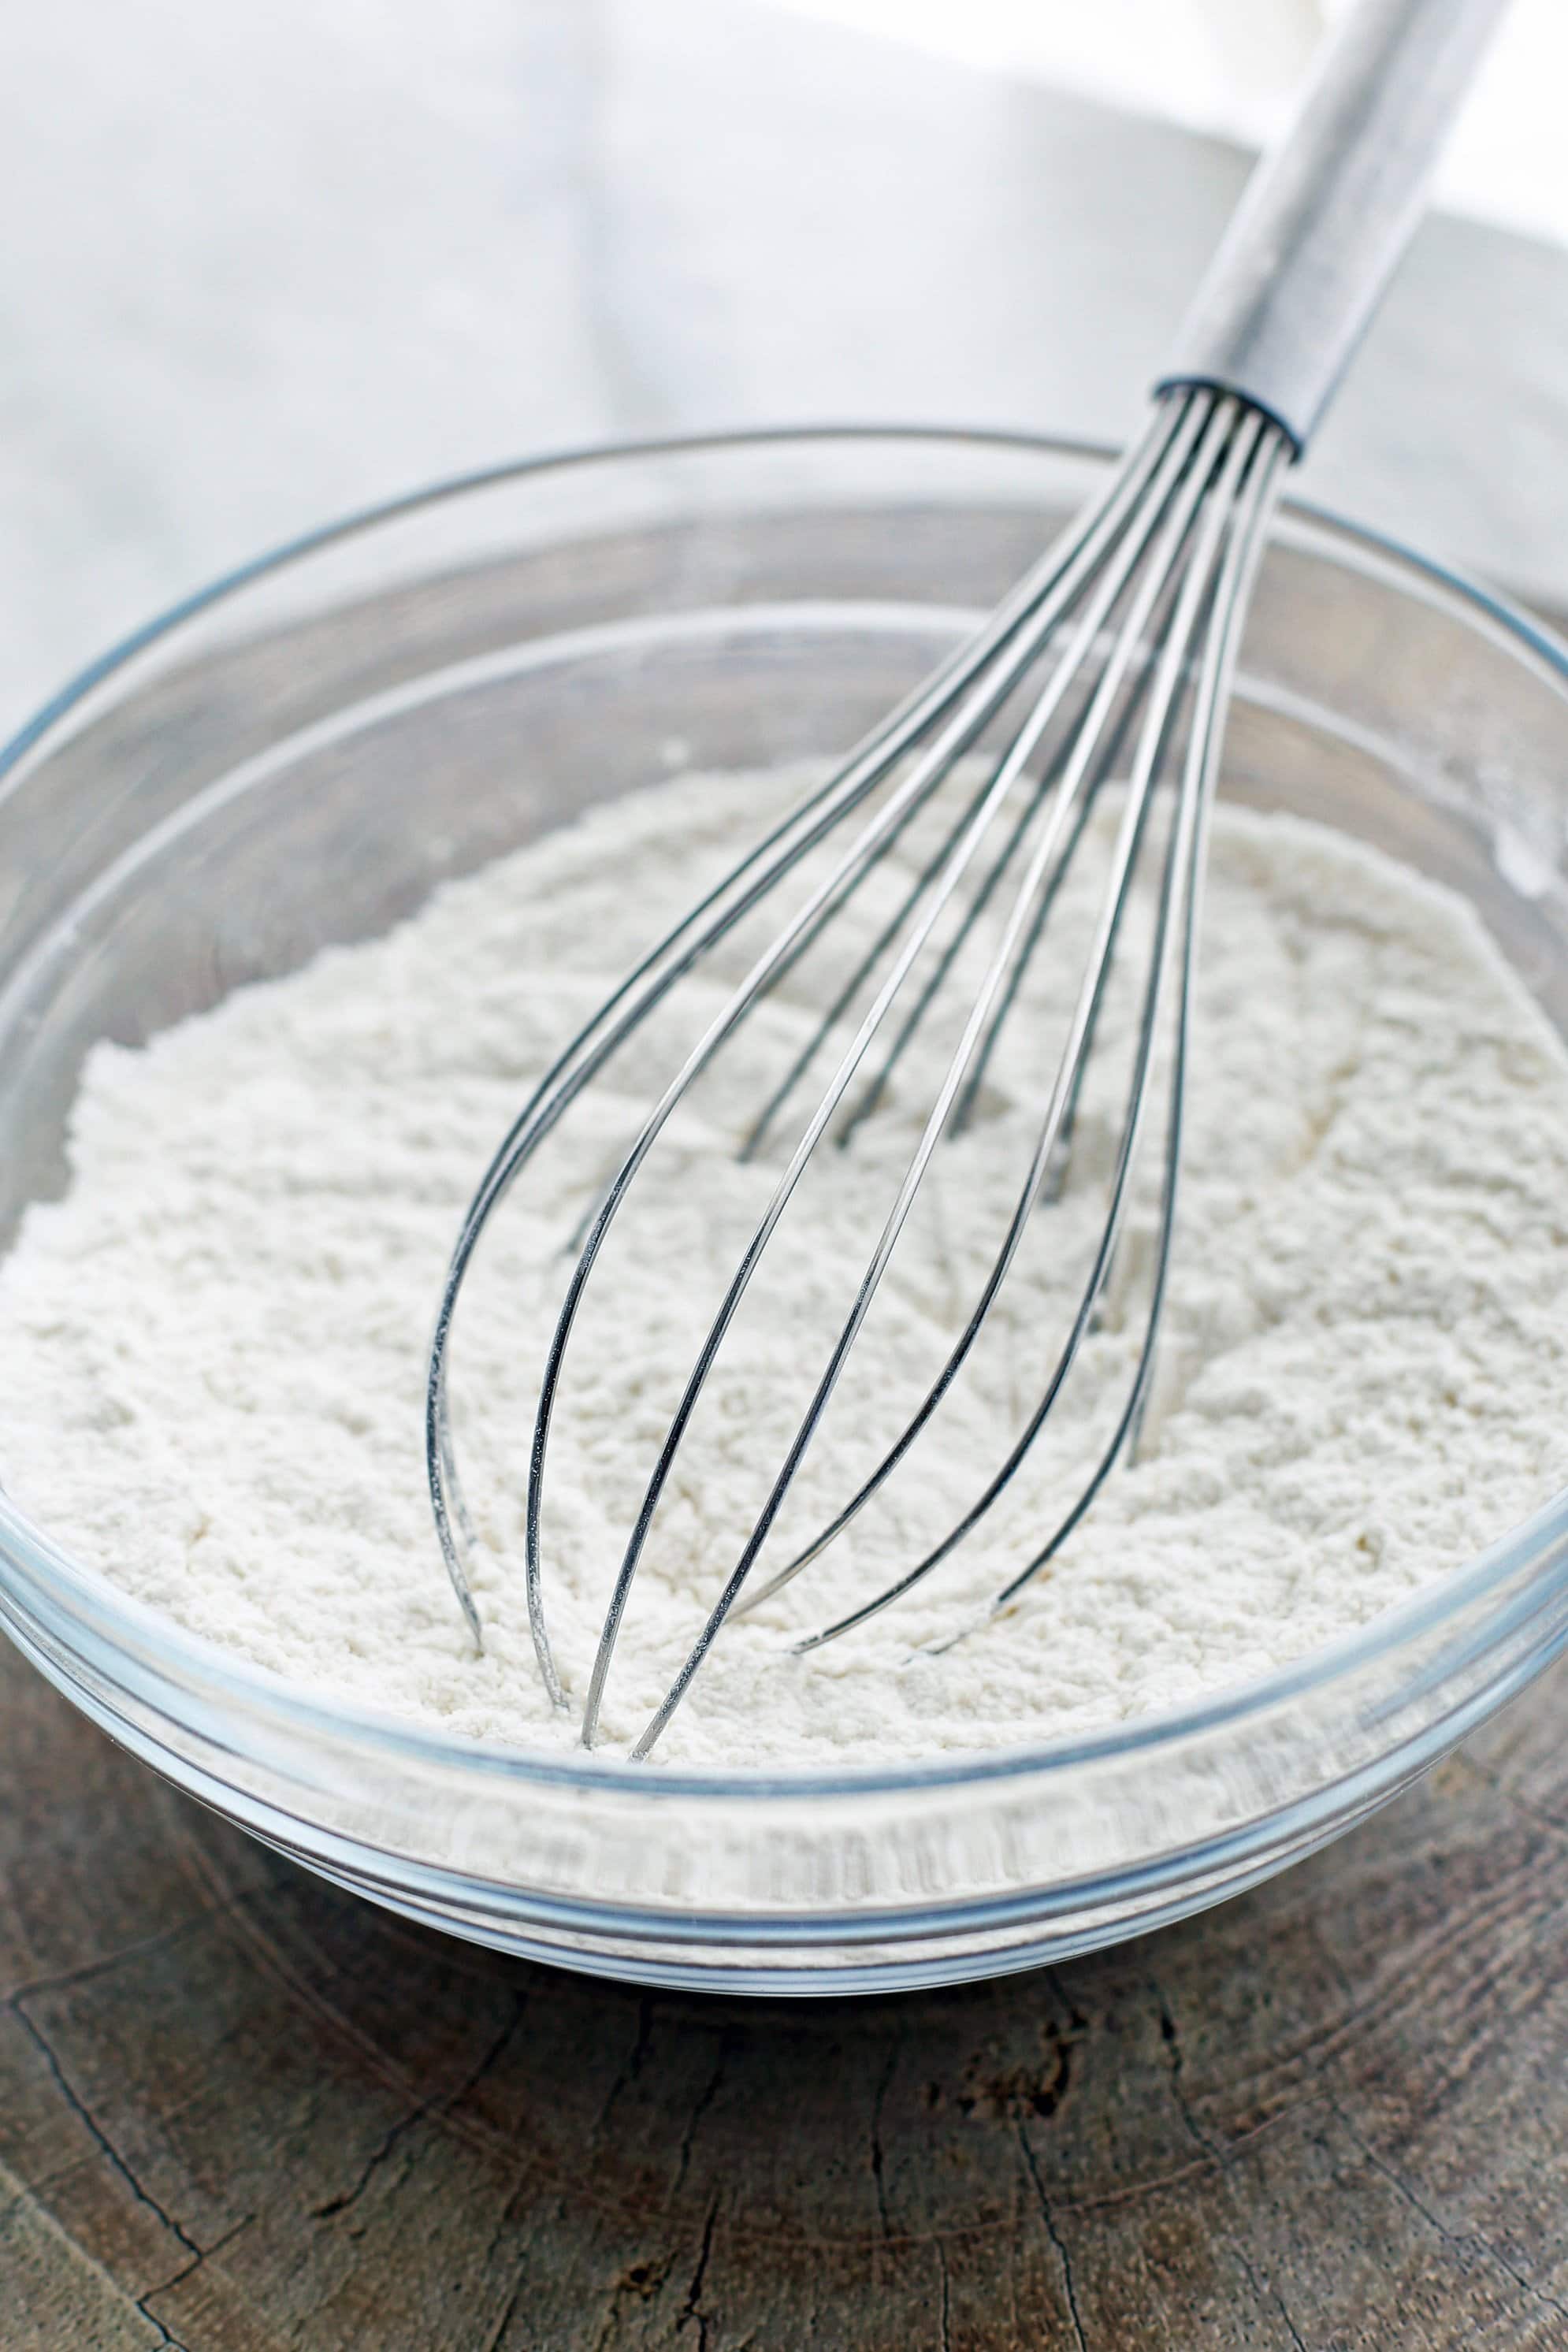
(214, 1346)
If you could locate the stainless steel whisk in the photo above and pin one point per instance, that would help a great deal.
(1125, 633)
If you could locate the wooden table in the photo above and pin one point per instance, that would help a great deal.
(241, 2111)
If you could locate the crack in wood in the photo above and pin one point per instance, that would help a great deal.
(1270, 2293)
(144, 2302)
(1281, 2071)
(692, 2308)
(166, 2336)
(436, 2104)
(705, 2099)
(189, 2269)
(115, 2157)
(632, 2066)
(1077, 2023)
(1460, 2242)
(105, 1963)
(79, 2108)
(1171, 2036)
(878, 2153)
(509, 2313)
(1054, 2234)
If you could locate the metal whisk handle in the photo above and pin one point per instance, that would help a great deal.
(1329, 211)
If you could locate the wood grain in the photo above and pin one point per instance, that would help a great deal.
(240, 2112)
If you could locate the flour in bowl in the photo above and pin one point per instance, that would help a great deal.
(215, 1342)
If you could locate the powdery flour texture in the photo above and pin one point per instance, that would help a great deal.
(214, 1341)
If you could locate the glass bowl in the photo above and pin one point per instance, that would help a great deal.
(297, 755)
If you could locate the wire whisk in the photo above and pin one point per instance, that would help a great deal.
(1111, 663)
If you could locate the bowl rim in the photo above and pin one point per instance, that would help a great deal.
(124, 1621)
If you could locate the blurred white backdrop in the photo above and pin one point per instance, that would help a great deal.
(1234, 66)
(264, 265)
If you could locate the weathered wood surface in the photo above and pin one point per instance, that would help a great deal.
(240, 2112)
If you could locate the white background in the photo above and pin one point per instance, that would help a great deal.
(264, 265)
(1232, 66)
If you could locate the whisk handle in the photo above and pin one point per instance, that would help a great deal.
(1328, 212)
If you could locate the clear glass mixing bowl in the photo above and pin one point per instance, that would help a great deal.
(297, 755)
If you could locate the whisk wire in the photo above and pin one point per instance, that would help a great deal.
(1184, 852)
(1193, 816)
(710, 920)
(1172, 526)
(931, 768)
(1177, 527)
(1195, 587)
(1172, 476)
(1130, 622)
